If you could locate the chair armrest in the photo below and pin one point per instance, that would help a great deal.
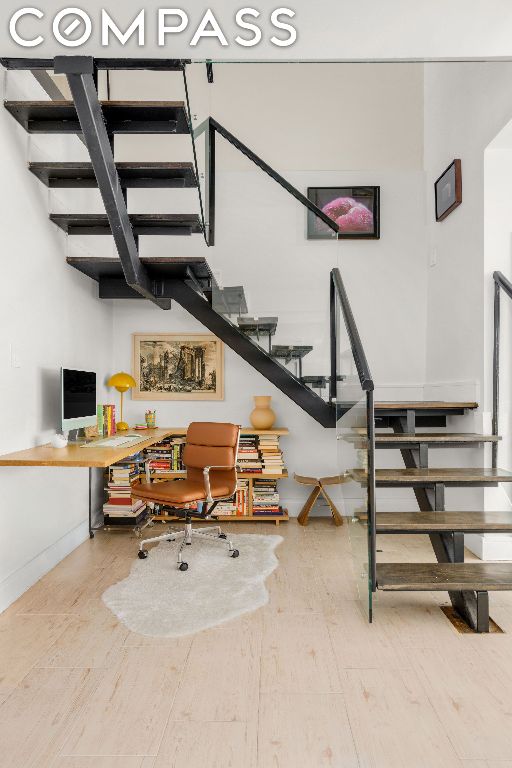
(206, 476)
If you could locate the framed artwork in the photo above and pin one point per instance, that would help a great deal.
(356, 211)
(448, 190)
(177, 366)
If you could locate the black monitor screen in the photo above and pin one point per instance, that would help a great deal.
(78, 393)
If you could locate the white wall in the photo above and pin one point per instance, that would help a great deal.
(466, 105)
(287, 114)
(50, 316)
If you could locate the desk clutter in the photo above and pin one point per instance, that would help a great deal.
(260, 467)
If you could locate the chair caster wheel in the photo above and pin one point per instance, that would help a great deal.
(91, 534)
(235, 553)
(222, 536)
(183, 566)
(143, 553)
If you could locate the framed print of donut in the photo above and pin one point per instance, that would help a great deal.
(356, 211)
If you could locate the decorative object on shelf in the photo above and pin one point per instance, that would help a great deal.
(173, 366)
(356, 211)
(448, 190)
(150, 419)
(122, 382)
(262, 416)
(319, 487)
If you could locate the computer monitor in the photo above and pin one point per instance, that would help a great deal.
(78, 399)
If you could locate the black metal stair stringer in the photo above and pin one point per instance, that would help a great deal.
(80, 75)
(324, 413)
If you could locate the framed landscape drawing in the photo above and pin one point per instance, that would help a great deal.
(176, 366)
(356, 211)
(448, 190)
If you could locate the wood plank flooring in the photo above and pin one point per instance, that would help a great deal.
(304, 682)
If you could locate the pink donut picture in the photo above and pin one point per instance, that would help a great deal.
(353, 209)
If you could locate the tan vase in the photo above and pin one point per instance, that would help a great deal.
(262, 417)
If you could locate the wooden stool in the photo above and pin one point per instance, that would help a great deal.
(319, 484)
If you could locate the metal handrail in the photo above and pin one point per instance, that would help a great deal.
(500, 283)
(210, 127)
(363, 369)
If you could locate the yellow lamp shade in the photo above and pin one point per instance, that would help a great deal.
(122, 381)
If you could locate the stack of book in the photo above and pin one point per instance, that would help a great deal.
(271, 455)
(166, 457)
(265, 498)
(238, 504)
(106, 418)
(121, 509)
(248, 455)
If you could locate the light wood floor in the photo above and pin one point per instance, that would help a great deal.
(303, 683)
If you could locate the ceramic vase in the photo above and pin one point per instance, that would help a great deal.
(262, 417)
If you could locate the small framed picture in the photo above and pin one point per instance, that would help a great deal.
(356, 211)
(178, 366)
(448, 190)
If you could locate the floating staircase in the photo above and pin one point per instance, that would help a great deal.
(467, 584)
(190, 282)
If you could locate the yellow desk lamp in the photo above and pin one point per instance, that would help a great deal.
(122, 382)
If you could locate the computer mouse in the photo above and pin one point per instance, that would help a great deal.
(59, 441)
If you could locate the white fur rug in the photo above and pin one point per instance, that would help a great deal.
(158, 600)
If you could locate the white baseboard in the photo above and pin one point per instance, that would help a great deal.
(26, 576)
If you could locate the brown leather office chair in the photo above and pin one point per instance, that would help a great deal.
(210, 457)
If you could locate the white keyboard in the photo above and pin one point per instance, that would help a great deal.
(113, 442)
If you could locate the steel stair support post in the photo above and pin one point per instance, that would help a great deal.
(496, 374)
(210, 186)
(80, 71)
(448, 548)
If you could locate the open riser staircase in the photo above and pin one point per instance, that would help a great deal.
(190, 282)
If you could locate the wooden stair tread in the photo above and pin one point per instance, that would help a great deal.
(158, 267)
(423, 405)
(444, 576)
(256, 325)
(132, 117)
(443, 474)
(426, 522)
(229, 300)
(290, 353)
(438, 437)
(131, 174)
(142, 223)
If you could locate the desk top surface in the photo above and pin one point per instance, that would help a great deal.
(75, 455)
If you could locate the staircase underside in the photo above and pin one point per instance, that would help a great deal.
(132, 174)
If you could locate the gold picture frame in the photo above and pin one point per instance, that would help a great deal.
(177, 366)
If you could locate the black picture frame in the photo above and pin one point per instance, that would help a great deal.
(448, 190)
(366, 196)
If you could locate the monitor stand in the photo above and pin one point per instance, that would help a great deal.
(77, 436)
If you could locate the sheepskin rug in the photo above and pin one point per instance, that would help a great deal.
(158, 600)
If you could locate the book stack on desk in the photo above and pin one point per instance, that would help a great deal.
(121, 508)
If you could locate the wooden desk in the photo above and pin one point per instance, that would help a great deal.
(75, 455)
(99, 458)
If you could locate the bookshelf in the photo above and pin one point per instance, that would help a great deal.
(272, 435)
